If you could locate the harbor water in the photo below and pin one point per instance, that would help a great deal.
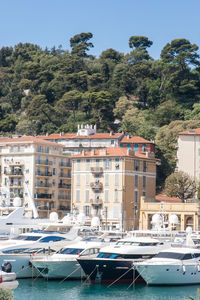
(40, 289)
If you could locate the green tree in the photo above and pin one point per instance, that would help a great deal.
(80, 45)
(180, 185)
(6, 294)
(139, 42)
(181, 52)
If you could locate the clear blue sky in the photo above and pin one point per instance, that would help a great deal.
(112, 22)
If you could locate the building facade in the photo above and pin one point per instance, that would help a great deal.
(188, 153)
(86, 138)
(188, 213)
(32, 168)
(109, 182)
(137, 144)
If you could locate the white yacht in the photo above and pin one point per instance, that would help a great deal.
(18, 251)
(174, 266)
(63, 264)
(115, 262)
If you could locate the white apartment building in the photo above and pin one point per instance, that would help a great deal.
(86, 138)
(188, 152)
(32, 168)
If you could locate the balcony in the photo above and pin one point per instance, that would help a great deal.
(96, 202)
(42, 196)
(62, 207)
(96, 185)
(16, 185)
(43, 184)
(65, 165)
(15, 172)
(64, 197)
(65, 175)
(44, 162)
(45, 174)
(20, 195)
(64, 185)
(96, 170)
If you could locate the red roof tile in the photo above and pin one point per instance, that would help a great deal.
(191, 132)
(24, 139)
(110, 152)
(134, 139)
(56, 136)
(164, 198)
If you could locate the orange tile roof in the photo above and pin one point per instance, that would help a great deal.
(190, 132)
(134, 139)
(110, 152)
(56, 136)
(164, 198)
(25, 139)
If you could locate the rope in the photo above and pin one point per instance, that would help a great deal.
(119, 277)
(87, 278)
(40, 273)
(22, 269)
(132, 283)
(69, 275)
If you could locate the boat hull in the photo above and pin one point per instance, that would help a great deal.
(108, 270)
(59, 269)
(170, 274)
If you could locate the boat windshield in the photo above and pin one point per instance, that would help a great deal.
(28, 237)
(174, 255)
(136, 243)
(71, 251)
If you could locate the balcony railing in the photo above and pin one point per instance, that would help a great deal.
(96, 202)
(65, 175)
(66, 165)
(96, 170)
(96, 185)
(14, 172)
(43, 184)
(64, 197)
(42, 196)
(44, 162)
(62, 207)
(64, 185)
(43, 173)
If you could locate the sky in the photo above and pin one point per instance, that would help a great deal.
(50, 23)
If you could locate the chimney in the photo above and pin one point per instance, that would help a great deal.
(111, 133)
(128, 137)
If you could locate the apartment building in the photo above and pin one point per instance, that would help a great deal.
(188, 152)
(86, 138)
(109, 182)
(36, 169)
(137, 144)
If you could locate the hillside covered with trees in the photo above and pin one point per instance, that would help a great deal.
(52, 90)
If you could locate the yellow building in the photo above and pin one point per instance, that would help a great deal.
(187, 213)
(109, 182)
(36, 169)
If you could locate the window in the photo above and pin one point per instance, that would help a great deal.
(136, 165)
(112, 142)
(129, 146)
(87, 179)
(78, 179)
(143, 193)
(121, 145)
(87, 210)
(144, 181)
(87, 196)
(144, 166)
(54, 171)
(116, 179)
(116, 163)
(106, 195)
(78, 162)
(107, 163)
(116, 196)
(77, 195)
(106, 179)
(136, 180)
(87, 164)
(143, 147)
(136, 196)
(136, 147)
(54, 160)
(97, 162)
